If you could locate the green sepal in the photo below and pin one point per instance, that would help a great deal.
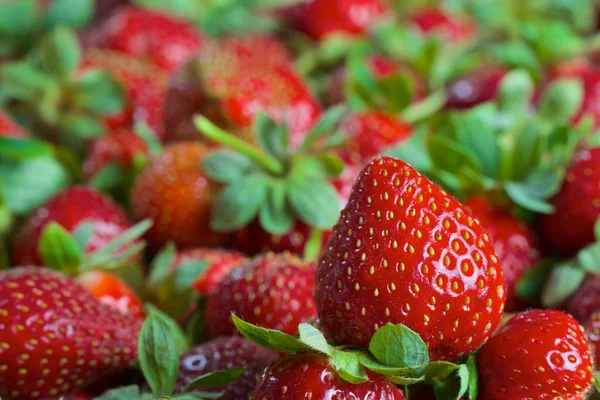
(143, 131)
(315, 202)
(588, 258)
(16, 148)
(72, 13)
(530, 285)
(131, 392)
(320, 166)
(272, 137)
(59, 250)
(564, 281)
(98, 93)
(82, 234)
(516, 90)
(347, 365)
(396, 92)
(398, 346)
(178, 336)
(454, 386)
(312, 247)
(58, 54)
(160, 266)
(561, 100)
(108, 178)
(473, 376)
(216, 378)
(226, 166)
(324, 127)
(597, 230)
(516, 54)
(313, 337)
(553, 41)
(413, 151)
(275, 214)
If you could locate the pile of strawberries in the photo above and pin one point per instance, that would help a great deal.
(299, 199)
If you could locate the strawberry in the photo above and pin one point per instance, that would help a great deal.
(113, 292)
(9, 128)
(174, 192)
(226, 353)
(222, 262)
(404, 251)
(154, 36)
(71, 339)
(586, 300)
(576, 205)
(476, 87)
(120, 146)
(540, 354)
(312, 376)
(514, 242)
(70, 209)
(592, 330)
(272, 290)
(452, 27)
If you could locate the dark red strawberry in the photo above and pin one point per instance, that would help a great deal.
(9, 128)
(70, 209)
(514, 242)
(312, 376)
(540, 354)
(62, 338)
(174, 192)
(112, 291)
(272, 290)
(404, 251)
(222, 354)
(586, 299)
(476, 87)
(221, 263)
(577, 205)
(154, 36)
(452, 27)
(120, 146)
(592, 330)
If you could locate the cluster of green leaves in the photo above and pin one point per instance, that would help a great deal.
(395, 351)
(505, 148)
(272, 183)
(51, 92)
(22, 22)
(159, 362)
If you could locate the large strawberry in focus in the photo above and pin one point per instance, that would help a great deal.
(405, 251)
(62, 338)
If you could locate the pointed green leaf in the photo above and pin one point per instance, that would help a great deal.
(326, 125)
(275, 214)
(15, 148)
(108, 177)
(564, 281)
(99, 93)
(271, 339)
(83, 233)
(561, 100)
(178, 336)
(161, 265)
(347, 365)
(321, 166)
(588, 258)
(516, 90)
(315, 202)
(413, 152)
(370, 363)
(131, 392)
(312, 247)
(225, 166)
(143, 131)
(398, 346)
(473, 377)
(273, 137)
(314, 338)
(523, 195)
(597, 230)
(217, 378)
(454, 386)
(59, 250)
(82, 126)
(439, 370)
(188, 273)
(59, 53)
(107, 254)
(396, 91)
(516, 54)
(72, 13)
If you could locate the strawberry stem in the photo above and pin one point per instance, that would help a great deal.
(213, 132)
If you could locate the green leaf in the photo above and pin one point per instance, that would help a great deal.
(516, 54)
(453, 387)
(159, 356)
(525, 196)
(143, 131)
(561, 100)
(178, 336)
(15, 149)
(58, 53)
(326, 125)
(161, 265)
(597, 230)
(108, 254)
(195, 395)
(271, 339)
(396, 91)
(72, 13)
(413, 152)
(473, 377)
(225, 166)
(347, 365)
(450, 156)
(553, 40)
(22, 81)
(108, 177)
(398, 346)
(312, 337)
(372, 364)
(530, 285)
(99, 93)
(82, 234)
(188, 273)
(564, 280)
(239, 203)
(312, 247)
(321, 166)
(131, 392)
(217, 378)
(439, 370)
(315, 202)
(275, 214)
(516, 90)
(82, 126)
(273, 137)
(404, 380)
(588, 258)
(59, 250)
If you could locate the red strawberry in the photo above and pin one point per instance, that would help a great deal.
(174, 192)
(273, 291)
(514, 242)
(577, 205)
(371, 132)
(586, 299)
(476, 87)
(9, 128)
(404, 251)
(320, 18)
(153, 36)
(70, 209)
(222, 262)
(540, 354)
(312, 376)
(113, 292)
(226, 353)
(62, 337)
(144, 85)
(592, 330)
(452, 27)
(120, 146)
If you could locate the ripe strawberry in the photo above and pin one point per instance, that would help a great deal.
(70, 209)
(476, 87)
(120, 146)
(577, 205)
(9, 128)
(514, 242)
(592, 330)
(113, 292)
(174, 192)
(153, 36)
(144, 86)
(226, 353)
(404, 251)
(312, 376)
(222, 262)
(273, 291)
(452, 27)
(586, 299)
(540, 354)
(62, 337)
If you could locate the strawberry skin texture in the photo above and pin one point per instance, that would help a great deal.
(453, 28)
(311, 376)
(515, 244)
(475, 88)
(174, 192)
(371, 132)
(577, 205)
(61, 338)
(153, 36)
(274, 291)
(540, 354)
(404, 251)
(120, 146)
(113, 292)
(221, 263)
(70, 208)
(226, 353)
(9, 128)
(586, 300)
